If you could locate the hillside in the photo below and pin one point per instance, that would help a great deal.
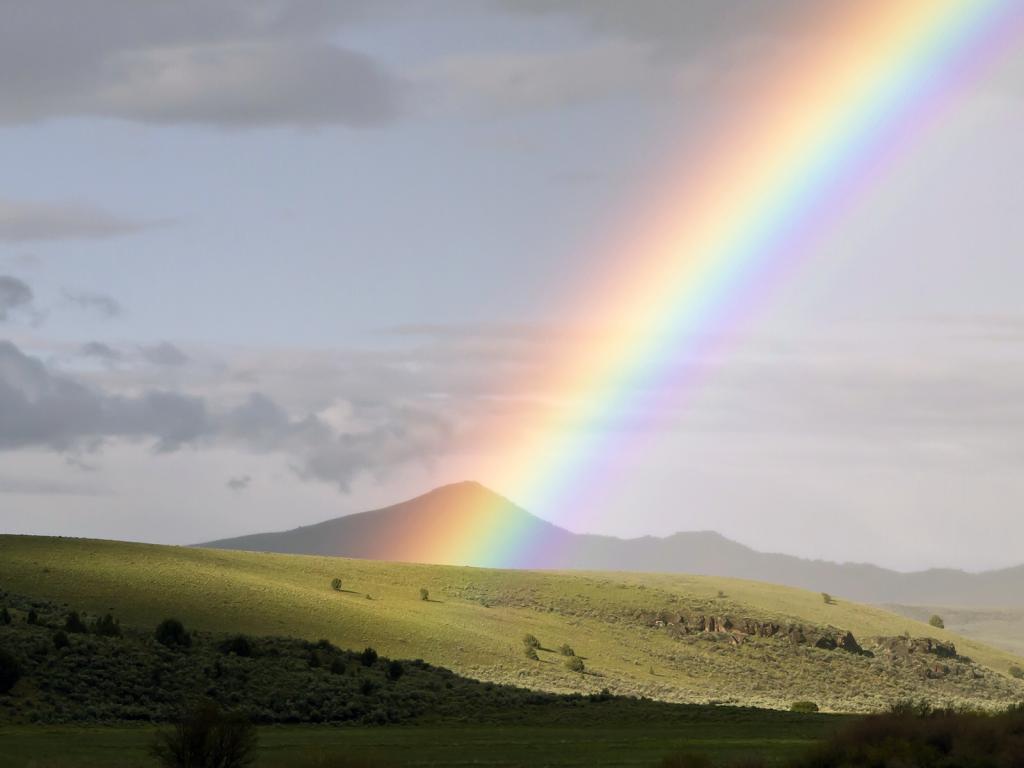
(444, 513)
(671, 637)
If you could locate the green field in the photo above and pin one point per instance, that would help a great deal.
(324, 747)
(475, 619)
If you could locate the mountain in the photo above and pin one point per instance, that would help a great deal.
(457, 524)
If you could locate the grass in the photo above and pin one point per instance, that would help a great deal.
(476, 617)
(323, 747)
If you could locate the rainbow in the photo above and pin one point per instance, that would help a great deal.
(728, 229)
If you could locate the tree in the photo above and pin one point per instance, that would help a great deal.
(937, 622)
(336, 584)
(74, 624)
(207, 737)
(368, 657)
(804, 707)
(171, 632)
(238, 645)
(827, 598)
(108, 627)
(10, 671)
(530, 641)
(395, 670)
(566, 650)
(424, 594)
(574, 664)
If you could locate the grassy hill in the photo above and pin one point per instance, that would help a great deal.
(628, 628)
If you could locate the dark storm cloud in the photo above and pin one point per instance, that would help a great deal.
(233, 63)
(22, 222)
(14, 295)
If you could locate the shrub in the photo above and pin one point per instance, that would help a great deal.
(721, 594)
(5, 616)
(10, 671)
(531, 653)
(32, 617)
(804, 707)
(107, 627)
(424, 593)
(1017, 672)
(60, 639)
(530, 641)
(937, 622)
(395, 670)
(74, 624)
(238, 645)
(206, 737)
(338, 666)
(171, 632)
(336, 584)
(574, 664)
(827, 598)
(566, 650)
(368, 657)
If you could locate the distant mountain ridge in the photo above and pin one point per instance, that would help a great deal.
(371, 535)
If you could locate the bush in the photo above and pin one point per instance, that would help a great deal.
(171, 632)
(60, 639)
(804, 707)
(424, 593)
(1017, 672)
(530, 641)
(336, 584)
(206, 737)
(74, 624)
(107, 627)
(32, 617)
(338, 666)
(721, 594)
(937, 622)
(10, 671)
(574, 664)
(238, 645)
(5, 616)
(531, 653)
(368, 657)
(395, 670)
(566, 650)
(827, 598)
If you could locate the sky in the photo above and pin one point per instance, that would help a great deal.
(267, 262)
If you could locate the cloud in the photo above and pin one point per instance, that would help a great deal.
(21, 485)
(101, 351)
(43, 408)
(22, 222)
(14, 295)
(265, 62)
(163, 354)
(103, 305)
(239, 483)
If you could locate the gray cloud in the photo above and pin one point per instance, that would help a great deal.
(164, 354)
(239, 483)
(103, 305)
(265, 62)
(41, 408)
(34, 221)
(45, 487)
(14, 295)
(101, 351)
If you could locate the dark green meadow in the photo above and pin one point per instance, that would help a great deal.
(722, 738)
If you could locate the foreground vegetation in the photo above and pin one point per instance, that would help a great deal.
(624, 628)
